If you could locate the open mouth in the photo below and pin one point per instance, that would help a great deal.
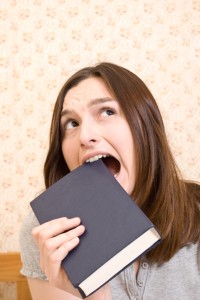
(111, 163)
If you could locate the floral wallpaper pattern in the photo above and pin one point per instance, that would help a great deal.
(43, 42)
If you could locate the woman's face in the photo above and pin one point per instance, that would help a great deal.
(94, 126)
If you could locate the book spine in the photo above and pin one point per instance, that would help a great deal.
(81, 292)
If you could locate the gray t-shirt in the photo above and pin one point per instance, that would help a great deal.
(178, 279)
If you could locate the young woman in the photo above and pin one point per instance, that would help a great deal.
(108, 110)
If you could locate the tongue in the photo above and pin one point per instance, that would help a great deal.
(112, 164)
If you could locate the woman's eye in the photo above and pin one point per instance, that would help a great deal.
(108, 112)
(71, 124)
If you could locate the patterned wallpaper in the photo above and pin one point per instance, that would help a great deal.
(43, 42)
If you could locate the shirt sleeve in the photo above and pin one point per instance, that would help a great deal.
(29, 251)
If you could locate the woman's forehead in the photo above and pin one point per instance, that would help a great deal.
(86, 91)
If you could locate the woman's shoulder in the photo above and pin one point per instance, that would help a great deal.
(189, 253)
(28, 249)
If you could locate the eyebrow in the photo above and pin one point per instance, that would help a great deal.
(93, 102)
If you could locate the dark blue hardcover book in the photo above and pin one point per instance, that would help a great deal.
(117, 231)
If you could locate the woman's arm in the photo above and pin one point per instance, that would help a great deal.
(55, 239)
(42, 290)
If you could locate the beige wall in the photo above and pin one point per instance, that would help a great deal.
(43, 42)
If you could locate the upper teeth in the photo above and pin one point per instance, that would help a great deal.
(96, 157)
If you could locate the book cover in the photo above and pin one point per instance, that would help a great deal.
(117, 231)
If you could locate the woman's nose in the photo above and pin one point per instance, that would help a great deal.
(89, 134)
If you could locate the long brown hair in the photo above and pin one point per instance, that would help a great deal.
(170, 203)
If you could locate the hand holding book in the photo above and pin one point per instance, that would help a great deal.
(55, 239)
(55, 246)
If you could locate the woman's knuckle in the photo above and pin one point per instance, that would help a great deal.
(53, 258)
(42, 236)
(34, 232)
(48, 244)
